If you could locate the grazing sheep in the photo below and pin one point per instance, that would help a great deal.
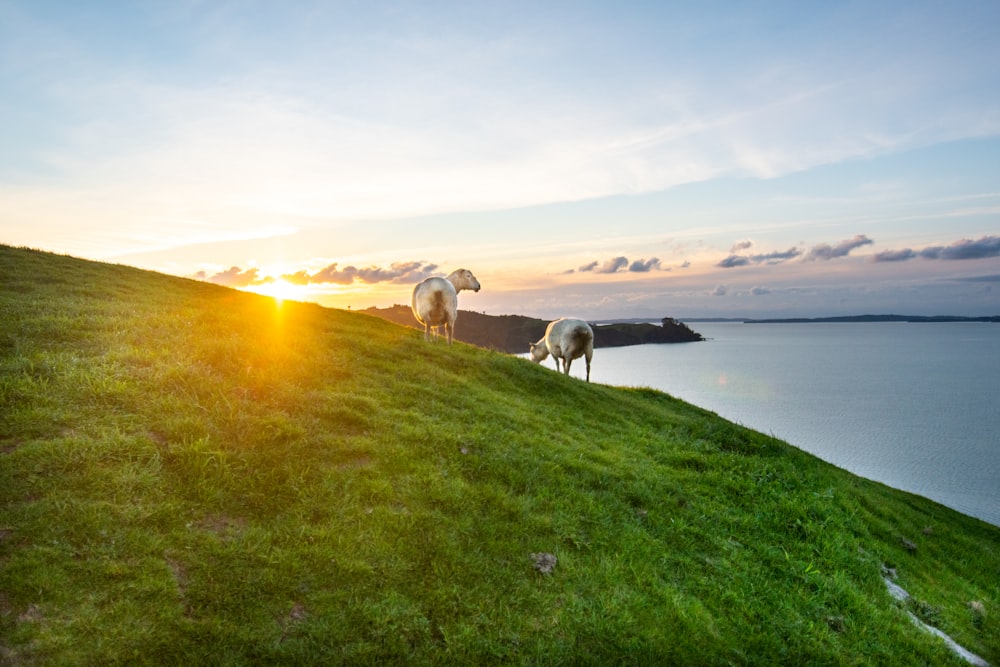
(435, 301)
(567, 339)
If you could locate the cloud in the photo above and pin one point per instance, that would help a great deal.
(620, 264)
(733, 261)
(332, 274)
(825, 251)
(297, 278)
(987, 246)
(769, 258)
(759, 291)
(235, 277)
(613, 265)
(822, 251)
(894, 255)
(719, 291)
(644, 265)
(398, 272)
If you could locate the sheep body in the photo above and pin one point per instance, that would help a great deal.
(435, 301)
(567, 339)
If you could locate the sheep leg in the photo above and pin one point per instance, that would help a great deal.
(449, 330)
(566, 362)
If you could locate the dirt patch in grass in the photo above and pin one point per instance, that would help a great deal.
(9, 446)
(544, 562)
(296, 615)
(222, 525)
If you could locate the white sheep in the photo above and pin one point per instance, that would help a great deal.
(566, 338)
(435, 301)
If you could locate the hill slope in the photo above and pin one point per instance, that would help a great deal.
(190, 474)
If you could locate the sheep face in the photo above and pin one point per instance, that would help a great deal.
(463, 279)
(539, 351)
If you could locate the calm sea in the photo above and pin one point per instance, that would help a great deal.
(915, 406)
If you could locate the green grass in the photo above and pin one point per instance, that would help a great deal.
(193, 475)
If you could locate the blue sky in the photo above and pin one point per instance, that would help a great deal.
(592, 159)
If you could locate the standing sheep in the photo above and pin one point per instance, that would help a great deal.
(435, 301)
(566, 339)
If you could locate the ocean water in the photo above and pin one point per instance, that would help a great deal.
(915, 406)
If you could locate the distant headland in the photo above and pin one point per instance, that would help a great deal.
(874, 318)
(513, 333)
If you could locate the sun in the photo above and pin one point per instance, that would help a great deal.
(279, 289)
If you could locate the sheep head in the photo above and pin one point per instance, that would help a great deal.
(463, 279)
(539, 351)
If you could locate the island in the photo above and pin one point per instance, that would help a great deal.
(876, 318)
(513, 333)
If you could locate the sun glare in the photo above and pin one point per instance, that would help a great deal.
(280, 290)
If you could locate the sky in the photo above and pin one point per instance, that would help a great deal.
(592, 159)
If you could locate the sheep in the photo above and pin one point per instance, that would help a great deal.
(435, 301)
(567, 339)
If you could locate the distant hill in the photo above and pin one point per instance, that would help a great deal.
(876, 318)
(513, 333)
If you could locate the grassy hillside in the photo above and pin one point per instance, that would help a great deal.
(194, 475)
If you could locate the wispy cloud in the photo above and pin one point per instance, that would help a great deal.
(613, 265)
(397, 273)
(895, 255)
(826, 252)
(245, 137)
(733, 261)
(622, 264)
(821, 251)
(236, 277)
(644, 265)
(987, 246)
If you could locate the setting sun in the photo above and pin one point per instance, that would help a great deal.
(280, 289)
